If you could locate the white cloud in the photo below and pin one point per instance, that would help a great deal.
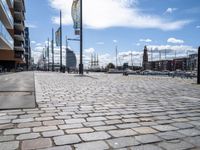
(138, 44)
(38, 44)
(99, 15)
(31, 25)
(171, 48)
(115, 41)
(145, 40)
(33, 42)
(175, 41)
(170, 10)
(198, 27)
(89, 50)
(100, 43)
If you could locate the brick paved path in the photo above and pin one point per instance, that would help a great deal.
(106, 112)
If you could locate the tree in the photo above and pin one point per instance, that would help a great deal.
(110, 66)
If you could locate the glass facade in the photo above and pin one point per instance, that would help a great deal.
(7, 10)
(6, 36)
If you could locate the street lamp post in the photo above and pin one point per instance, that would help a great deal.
(198, 69)
(81, 39)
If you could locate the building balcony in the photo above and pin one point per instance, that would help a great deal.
(5, 14)
(19, 25)
(6, 41)
(19, 37)
(19, 4)
(19, 15)
(19, 47)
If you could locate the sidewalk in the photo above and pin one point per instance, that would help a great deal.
(17, 90)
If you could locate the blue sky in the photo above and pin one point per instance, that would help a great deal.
(130, 24)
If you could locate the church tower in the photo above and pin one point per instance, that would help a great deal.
(145, 64)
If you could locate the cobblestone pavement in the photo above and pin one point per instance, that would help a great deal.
(106, 112)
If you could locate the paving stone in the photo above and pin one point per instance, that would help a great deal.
(17, 131)
(131, 120)
(111, 122)
(144, 130)
(120, 133)
(148, 138)
(6, 126)
(44, 128)
(113, 117)
(170, 135)
(53, 122)
(79, 130)
(93, 124)
(43, 118)
(28, 136)
(36, 144)
(193, 140)
(128, 125)
(146, 147)
(28, 116)
(66, 139)
(190, 132)
(7, 138)
(9, 145)
(122, 142)
(95, 136)
(29, 124)
(5, 121)
(70, 126)
(22, 120)
(175, 145)
(58, 148)
(96, 119)
(71, 121)
(181, 125)
(164, 128)
(52, 133)
(97, 145)
(105, 128)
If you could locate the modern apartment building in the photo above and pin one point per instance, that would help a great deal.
(27, 47)
(19, 32)
(11, 34)
(6, 34)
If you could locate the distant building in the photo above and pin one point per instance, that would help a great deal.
(145, 63)
(71, 61)
(161, 65)
(27, 49)
(192, 62)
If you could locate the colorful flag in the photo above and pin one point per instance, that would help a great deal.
(58, 37)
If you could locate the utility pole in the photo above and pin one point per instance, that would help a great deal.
(198, 69)
(52, 48)
(81, 39)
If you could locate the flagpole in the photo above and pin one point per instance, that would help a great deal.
(52, 47)
(81, 40)
(48, 53)
(60, 40)
(66, 51)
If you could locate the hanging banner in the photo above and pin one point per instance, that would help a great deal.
(58, 37)
(75, 12)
